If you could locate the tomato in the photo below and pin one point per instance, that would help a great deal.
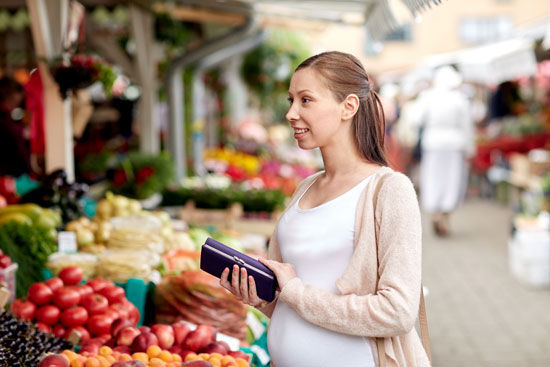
(40, 293)
(75, 316)
(24, 309)
(122, 310)
(48, 314)
(99, 283)
(131, 311)
(7, 186)
(5, 261)
(59, 331)
(84, 290)
(95, 303)
(43, 327)
(99, 324)
(71, 275)
(84, 334)
(54, 283)
(66, 297)
(113, 294)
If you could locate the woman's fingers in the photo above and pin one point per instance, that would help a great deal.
(223, 279)
(252, 294)
(244, 285)
(235, 280)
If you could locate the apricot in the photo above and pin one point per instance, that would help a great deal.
(153, 351)
(141, 357)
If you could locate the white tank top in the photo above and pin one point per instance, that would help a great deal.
(319, 243)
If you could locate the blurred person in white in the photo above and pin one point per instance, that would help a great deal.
(447, 144)
(347, 250)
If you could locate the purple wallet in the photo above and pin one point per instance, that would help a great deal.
(216, 256)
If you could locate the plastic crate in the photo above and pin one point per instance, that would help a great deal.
(7, 276)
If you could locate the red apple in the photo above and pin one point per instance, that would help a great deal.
(165, 335)
(197, 364)
(214, 348)
(239, 354)
(54, 360)
(175, 349)
(144, 341)
(119, 324)
(225, 345)
(127, 335)
(91, 348)
(200, 337)
(181, 330)
(144, 329)
(123, 349)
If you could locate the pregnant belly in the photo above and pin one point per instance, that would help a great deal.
(292, 342)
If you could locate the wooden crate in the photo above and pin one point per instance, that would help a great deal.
(231, 218)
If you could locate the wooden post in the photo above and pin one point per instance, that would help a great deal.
(142, 31)
(48, 26)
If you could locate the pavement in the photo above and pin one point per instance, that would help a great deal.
(479, 314)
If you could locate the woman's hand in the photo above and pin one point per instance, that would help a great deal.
(241, 287)
(283, 271)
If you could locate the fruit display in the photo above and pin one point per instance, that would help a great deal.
(29, 246)
(22, 344)
(32, 214)
(154, 356)
(62, 304)
(197, 297)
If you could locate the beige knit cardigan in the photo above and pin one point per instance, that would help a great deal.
(379, 292)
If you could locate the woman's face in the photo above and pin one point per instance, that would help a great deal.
(314, 113)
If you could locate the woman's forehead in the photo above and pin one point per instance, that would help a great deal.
(307, 79)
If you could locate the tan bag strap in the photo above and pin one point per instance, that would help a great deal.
(424, 335)
(422, 317)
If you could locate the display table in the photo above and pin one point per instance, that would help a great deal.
(505, 145)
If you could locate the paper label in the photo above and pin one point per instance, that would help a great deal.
(261, 354)
(231, 341)
(66, 242)
(255, 325)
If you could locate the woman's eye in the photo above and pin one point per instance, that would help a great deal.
(290, 100)
(305, 100)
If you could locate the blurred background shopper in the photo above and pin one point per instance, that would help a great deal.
(447, 141)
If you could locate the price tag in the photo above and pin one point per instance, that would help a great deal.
(255, 325)
(261, 354)
(66, 242)
(231, 341)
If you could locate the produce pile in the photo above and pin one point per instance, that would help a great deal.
(22, 344)
(62, 305)
(197, 297)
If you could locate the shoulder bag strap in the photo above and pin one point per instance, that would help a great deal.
(422, 318)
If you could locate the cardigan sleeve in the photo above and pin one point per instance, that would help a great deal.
(393, 308)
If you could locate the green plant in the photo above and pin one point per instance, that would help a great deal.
(268, 68)
(140, 175)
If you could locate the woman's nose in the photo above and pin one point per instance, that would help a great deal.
(291, 115)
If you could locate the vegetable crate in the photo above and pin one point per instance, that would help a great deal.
(231, 218)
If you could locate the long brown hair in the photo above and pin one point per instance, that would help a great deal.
(344, 75)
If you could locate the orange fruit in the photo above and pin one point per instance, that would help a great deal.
(104, 362)
(216, 355)
(157, 362)
(125, 357)
(176, 357)
(69, 354)
(141, 357)
(153, 351)
(204, 356)
(166, 356)
(92, 362)
(77, 363)
(105, 351)
(227, 359)
(191, 357)
(241, 362)
(216, 362)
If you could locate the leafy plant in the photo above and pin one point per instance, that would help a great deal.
(140, 175)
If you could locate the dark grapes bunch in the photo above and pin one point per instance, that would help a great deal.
(22, 344)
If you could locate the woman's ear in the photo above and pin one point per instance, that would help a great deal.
(350, 105)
